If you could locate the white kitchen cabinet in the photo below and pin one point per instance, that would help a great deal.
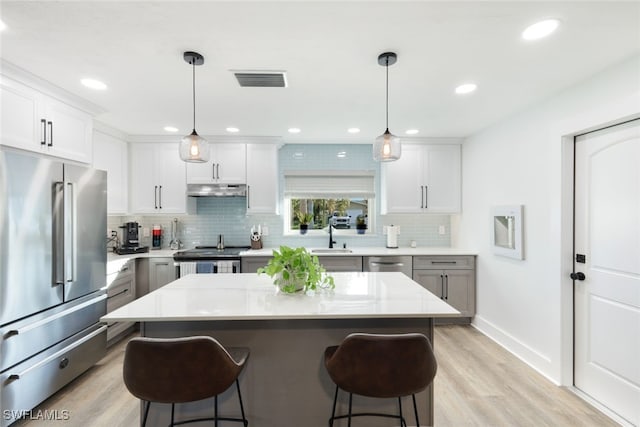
(262, 178)
(226, 165)
(33, 121)
(157, 180)
(111, 154)
(426, 179)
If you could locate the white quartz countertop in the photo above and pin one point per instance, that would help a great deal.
(249, 296)
(370, 251)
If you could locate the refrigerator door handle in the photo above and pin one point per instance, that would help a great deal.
(58, 234)
(69, 232)
(81, 341)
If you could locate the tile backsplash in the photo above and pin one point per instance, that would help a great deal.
(227, 215)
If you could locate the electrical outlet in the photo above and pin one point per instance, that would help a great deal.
(145, 232)
(109, 231)
(265, 230)
(442, 230)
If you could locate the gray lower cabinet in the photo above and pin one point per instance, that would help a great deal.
(161, 272)
(251, 264)
(154, 273)
(451, 278)
(341, 263)
(121, 290)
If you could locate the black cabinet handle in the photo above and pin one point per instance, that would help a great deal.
(248, 197)
(421, 196)
(446, 286)
(213, 171)
(50, 144)
(578, 276)
(155, 196)
(218, 171)
(160, 198)
(441, 286)
(44, 132)
(426, 197)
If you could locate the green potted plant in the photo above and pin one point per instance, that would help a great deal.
(304, 219)
(361, 224)
(295, 270)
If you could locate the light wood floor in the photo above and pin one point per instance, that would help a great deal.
(478, 384)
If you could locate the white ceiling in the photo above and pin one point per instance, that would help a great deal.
(329, 51)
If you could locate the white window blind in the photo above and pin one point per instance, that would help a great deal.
(329, 184)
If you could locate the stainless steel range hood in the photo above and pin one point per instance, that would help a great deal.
(217, 190)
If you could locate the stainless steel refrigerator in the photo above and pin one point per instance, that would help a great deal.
(52, 277)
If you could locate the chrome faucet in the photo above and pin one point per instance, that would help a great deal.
(331, 241)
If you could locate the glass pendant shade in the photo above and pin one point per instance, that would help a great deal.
(194, 148)
(387, 147)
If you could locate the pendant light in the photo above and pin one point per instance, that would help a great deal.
(194, 148)
(387, 146)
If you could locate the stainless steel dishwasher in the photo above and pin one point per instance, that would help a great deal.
(401, 263)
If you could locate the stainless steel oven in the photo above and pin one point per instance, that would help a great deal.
(208, 259)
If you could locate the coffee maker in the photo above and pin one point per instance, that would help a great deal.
(130, 240)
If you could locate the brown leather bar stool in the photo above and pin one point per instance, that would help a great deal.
(179, 370)
(382, 366)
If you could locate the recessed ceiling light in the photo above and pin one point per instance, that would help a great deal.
(171, 129)
(294, 130)
(466, 88)
(341, 154)
(93, 84)
(3, 26)
(233, 130)
(353, 130)
(411, 131)
(540, 29)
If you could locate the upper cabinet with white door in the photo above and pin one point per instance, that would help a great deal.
(111, 153)
(157, 180)
(262, 178)
(426, 179)
(226, 165)
(37, 121)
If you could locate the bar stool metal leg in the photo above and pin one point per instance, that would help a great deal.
(146, 414)
(415, 409)
(244, 419)
(350, 401)
(173, 409)
(333, 411)
(402, 421)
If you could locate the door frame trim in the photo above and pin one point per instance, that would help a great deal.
(567, 231)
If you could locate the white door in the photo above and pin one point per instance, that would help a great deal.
(607, 300)
(262, 178)
(171, 175)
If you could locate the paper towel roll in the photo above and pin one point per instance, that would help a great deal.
(392, 236)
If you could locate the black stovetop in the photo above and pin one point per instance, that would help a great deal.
(210, 253)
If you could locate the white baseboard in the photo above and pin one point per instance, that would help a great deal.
(537, 361)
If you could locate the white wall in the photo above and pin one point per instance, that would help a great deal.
(526, 305)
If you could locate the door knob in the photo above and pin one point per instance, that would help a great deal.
(578, 276)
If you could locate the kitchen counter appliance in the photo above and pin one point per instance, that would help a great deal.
(130, 240)
(209, 259)
(52, 277)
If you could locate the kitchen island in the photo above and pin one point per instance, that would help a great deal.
(285, 383)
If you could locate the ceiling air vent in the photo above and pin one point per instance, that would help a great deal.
(261, 78)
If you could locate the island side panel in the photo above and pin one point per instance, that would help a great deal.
(285, 383)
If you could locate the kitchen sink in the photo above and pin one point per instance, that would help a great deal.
(331, 251)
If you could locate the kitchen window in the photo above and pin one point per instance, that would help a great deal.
(343, 199)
